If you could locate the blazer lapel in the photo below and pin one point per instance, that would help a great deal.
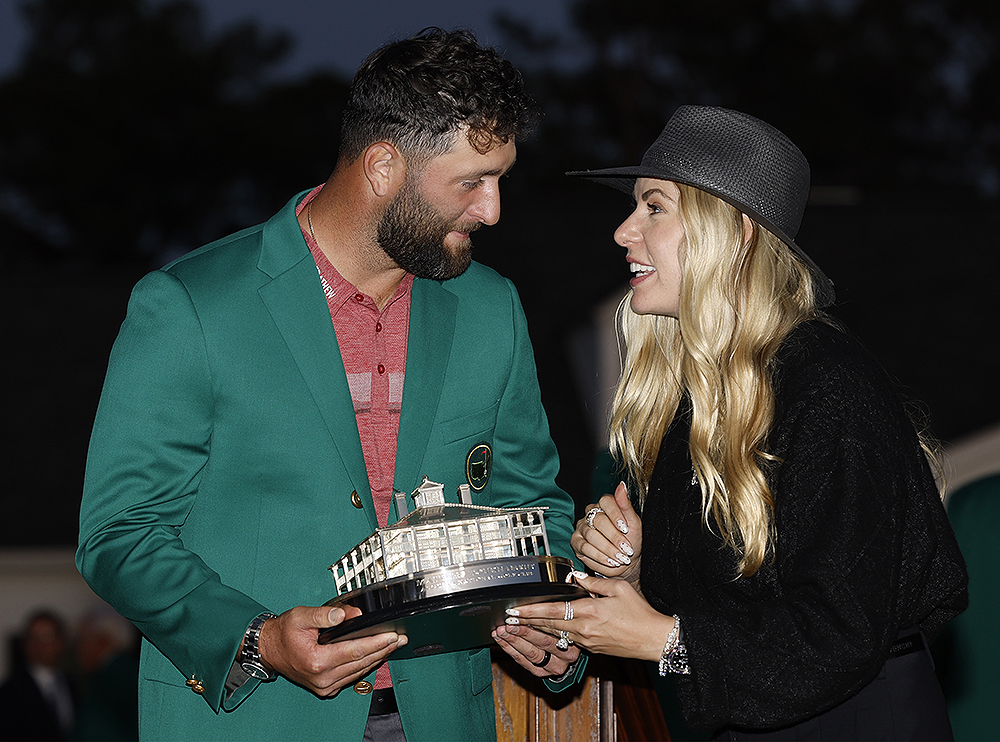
(432, 328)
(294, 297)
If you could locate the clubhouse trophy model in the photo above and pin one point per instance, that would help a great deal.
(444, 574)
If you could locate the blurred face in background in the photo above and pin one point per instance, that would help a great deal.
(44, 642)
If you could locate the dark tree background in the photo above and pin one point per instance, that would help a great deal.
(129, 135)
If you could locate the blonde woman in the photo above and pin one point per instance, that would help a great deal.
(792, 558)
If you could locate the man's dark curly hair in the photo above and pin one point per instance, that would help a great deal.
(417, 93)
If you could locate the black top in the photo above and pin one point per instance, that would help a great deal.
(863, 549)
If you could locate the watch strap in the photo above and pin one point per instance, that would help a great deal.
(250, 661)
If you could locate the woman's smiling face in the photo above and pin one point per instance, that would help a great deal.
(654, 237)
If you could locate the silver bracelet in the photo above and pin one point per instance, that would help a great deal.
(674, 658)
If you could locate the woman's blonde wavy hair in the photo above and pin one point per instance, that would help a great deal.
(742, 292)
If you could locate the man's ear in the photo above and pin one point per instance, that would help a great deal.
(384, 168)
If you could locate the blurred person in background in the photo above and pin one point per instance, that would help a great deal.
(37, 700)
(107, 659)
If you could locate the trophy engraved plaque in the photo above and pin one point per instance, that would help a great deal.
(444, 574)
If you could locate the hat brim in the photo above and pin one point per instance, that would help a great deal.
(623, 179)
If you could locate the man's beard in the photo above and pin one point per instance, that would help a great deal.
(412, 233)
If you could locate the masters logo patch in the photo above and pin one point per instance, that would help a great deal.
(478, 465)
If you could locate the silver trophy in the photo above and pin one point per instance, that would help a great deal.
(444, 574)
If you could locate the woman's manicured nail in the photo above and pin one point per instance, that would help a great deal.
(622, 525)
(622, 558)
(512, 612)
(624, 546)
(613, 563)
(512, 620)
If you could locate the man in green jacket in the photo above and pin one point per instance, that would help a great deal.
(255, 422)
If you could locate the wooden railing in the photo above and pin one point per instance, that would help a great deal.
(614, 703)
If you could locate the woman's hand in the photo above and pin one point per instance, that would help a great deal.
(610, 542)
(618, 621)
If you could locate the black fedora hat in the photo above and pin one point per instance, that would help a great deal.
(742, 160)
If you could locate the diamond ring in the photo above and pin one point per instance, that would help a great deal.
(591, 514)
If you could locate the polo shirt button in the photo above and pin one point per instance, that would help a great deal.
(378, 327)
(363, 687)
(356, 500)
(359, 297)
(381, 369)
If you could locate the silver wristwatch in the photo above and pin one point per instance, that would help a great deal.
(250, 654)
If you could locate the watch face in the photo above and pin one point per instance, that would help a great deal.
(254, 670)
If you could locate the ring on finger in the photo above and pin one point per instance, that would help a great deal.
(545, 660)
(591, 514)
(564, 641)
(568, 616)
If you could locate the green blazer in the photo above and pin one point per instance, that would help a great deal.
(224, 457)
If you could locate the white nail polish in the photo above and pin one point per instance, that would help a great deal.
(622, 558)
(622, 525)
(613, 563)
(626, 548)
(512, 612)
(512, 620)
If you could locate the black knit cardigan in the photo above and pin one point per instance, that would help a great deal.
(863, 547)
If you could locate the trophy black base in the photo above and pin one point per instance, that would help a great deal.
(452, 608)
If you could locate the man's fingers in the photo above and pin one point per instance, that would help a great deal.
(334, 617)
(534, 650)
(351, 659)
(325, 617)
(366, 648)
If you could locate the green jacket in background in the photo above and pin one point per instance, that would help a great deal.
(223, 460)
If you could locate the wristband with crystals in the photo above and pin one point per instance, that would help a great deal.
(674, 658)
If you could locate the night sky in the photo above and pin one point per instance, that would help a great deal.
(334, 34)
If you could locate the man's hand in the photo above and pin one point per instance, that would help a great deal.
(288, 646)
(529, 647)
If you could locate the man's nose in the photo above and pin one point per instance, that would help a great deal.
(487, 207)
